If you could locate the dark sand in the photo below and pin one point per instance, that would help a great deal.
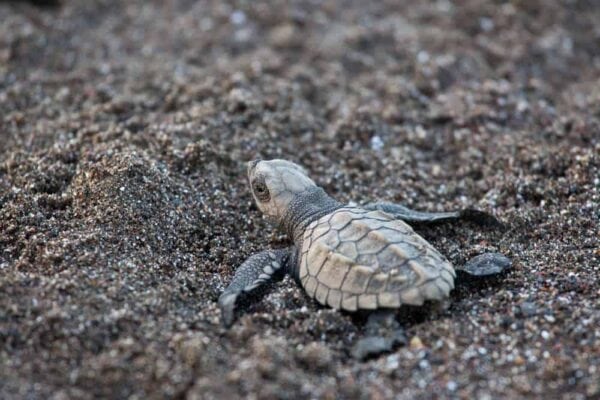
(124, 131)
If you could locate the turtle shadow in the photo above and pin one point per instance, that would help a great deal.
(469, 286)
(383, 331)
(407, 316)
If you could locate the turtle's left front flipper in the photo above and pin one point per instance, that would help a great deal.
(406, 214)
(255, 272)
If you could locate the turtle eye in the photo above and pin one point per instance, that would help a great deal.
(261, 190)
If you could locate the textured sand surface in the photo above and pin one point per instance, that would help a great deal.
(124, 131)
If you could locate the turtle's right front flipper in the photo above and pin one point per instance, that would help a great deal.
(408, 215)
(255, 272)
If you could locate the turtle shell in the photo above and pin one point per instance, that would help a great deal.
(358, 259)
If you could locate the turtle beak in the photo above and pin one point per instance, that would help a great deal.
(251, 165)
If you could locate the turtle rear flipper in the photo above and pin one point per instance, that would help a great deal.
(484, 267)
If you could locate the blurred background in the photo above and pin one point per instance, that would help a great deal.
(124, 129)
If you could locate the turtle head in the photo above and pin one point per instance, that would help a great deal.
(275, 184)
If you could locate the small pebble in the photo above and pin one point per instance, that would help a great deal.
(416, 343)
(376, 143)
(451, 386)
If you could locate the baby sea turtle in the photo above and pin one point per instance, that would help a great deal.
(344, 256)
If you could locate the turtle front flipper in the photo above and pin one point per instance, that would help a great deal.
(406, 214)
(255, 272)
